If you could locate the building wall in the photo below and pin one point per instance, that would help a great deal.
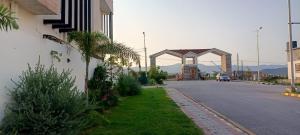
(296, 54)
(297, 72)
(26, 45)
(96, 16)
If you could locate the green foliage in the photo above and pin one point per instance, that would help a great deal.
(45, 101)
(7, 21)
(120, 51)
(151, 113)
(88, 43)
(213, 75)
(101, 88)
(272, 79)
(152, 82)
(109, 101)
(100, 81)
(143, 78)
(134, 74)
(96, 119)
(128, 86)
(157, 74)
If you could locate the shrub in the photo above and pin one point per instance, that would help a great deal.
(157, 74)
(143, 78)
(152, 82)
(95, 119)
(272, 79)
(101, 88)
(45, 102)
(109, 101)
(134, 74)
(128, 86)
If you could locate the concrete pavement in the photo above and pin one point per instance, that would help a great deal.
(209, 121)
(260, 108)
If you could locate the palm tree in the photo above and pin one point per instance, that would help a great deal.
(119, 50)
(7, 21)
(88, 42)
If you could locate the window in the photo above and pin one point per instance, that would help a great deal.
(297, 67)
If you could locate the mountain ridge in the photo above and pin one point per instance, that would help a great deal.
(270, 69)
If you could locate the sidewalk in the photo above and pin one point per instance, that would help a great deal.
(210, 121)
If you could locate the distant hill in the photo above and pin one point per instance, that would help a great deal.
(271, 69)
(278, 71)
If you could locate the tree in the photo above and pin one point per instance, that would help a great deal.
(248, 74)
(119, 52)
(7, 21)
(158, 75)
(88, 43)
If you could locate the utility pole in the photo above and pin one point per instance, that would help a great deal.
(258, 66)
(242, 69)
(145, 49)
(291, 48)
(238, 65)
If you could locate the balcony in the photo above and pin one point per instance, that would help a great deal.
(106, 6)
(40, 7)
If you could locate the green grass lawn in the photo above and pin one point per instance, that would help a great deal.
(151, 113)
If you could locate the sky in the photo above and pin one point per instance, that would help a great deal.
(229, 25)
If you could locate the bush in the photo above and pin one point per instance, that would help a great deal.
(101, 88)
(45, 102)
(109, 101)
(128, 86)
(143, 78)
(158, 75)
(100, 81)
(134, 74)
(152, 82)
(272, 79)
(95, 119)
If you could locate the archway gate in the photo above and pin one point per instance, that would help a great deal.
(226, 66)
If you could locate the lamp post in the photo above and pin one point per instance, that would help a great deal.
(291, 47)
(258, 68)
(145, 49)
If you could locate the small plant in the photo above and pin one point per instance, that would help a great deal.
(152, 82)
(158, 75)
(143, 78)
(101, 88)
(45, 101)
(128, 86)
(7, 21)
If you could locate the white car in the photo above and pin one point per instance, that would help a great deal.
(223, 77)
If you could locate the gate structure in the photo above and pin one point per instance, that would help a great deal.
(190, 71)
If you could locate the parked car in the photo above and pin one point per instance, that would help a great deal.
(222, 77)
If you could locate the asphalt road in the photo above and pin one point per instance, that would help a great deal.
(257, 107)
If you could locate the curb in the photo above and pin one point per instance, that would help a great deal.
(236, 125)
(291, 95)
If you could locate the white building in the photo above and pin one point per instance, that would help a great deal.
(296, 56)
(43, 29)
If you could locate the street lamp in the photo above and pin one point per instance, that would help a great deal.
(291, 48)
(145, 49)
(258, 68)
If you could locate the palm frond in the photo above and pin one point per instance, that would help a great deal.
(7, 21)
(88, 42)
(119, 50)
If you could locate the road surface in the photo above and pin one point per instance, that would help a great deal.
(260, 108)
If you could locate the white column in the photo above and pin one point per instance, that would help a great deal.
(111, 26)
